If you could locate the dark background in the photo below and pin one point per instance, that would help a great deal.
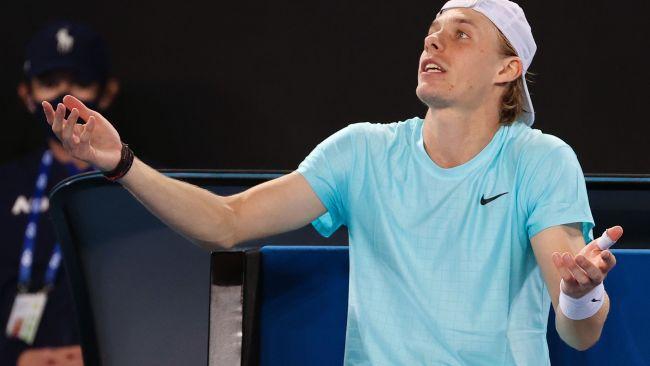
(257, 84)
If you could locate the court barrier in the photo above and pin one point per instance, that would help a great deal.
(302, 306)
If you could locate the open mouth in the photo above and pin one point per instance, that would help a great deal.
(432, 68)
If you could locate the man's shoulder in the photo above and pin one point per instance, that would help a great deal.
(541, 155)
(532, 145)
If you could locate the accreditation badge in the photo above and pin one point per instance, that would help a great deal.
(26, 315)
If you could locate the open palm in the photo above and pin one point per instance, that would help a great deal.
(586, 270)
(96, 142)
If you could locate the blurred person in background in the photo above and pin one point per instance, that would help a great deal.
(62, 58)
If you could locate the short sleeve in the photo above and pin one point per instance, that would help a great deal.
(556, 194)
(327, 169)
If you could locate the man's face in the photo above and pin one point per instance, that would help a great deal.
(460, 60)
(56, 84)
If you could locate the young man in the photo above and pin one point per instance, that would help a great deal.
(62, 58)
(461, 224)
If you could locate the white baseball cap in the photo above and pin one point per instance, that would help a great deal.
(509, 18)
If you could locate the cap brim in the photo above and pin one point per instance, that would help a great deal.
(62, 63)
(82, 73)
(528, 115)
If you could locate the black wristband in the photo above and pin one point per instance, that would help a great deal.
(126, 160)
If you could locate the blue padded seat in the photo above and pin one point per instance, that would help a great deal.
(303, 309)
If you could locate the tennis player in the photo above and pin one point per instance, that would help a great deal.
(465, 226)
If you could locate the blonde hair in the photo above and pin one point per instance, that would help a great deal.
(513, 100)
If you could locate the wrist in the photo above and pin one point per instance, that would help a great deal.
(583, 307)
(123, 166)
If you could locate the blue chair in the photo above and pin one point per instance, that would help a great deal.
(303, 310)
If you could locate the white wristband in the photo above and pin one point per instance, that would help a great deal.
(583, 307)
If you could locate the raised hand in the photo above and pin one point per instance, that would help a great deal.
(96, 142)
(581, 273)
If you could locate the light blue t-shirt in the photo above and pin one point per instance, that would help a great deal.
(437, 277)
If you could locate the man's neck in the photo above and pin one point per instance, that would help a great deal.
(63, 157)
(453, 137)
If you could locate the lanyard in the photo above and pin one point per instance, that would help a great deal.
(26, 259)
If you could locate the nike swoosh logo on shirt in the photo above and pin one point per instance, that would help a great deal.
(485, 201)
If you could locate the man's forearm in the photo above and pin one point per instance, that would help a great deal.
(198, 214)
(582, 334)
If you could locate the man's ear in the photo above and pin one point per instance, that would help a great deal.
(511, 69)
(109, 93)
(24, 93)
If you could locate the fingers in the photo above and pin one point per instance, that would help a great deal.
(67, 130)
(78, 129)
(57, 120)
(609, 260)
(592, 246)
(49, 112)
(69, 125)
(615, 232)
(564, 271)
(59, 114)
(609, 237)
(581, 272)
(595, 274)
(72, 103)
(84, 138)
(578, 273)
(604, 242)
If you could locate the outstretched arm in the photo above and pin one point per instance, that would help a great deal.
(210, 220)
(564, 258)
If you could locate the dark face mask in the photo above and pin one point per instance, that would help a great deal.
(41, 120)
